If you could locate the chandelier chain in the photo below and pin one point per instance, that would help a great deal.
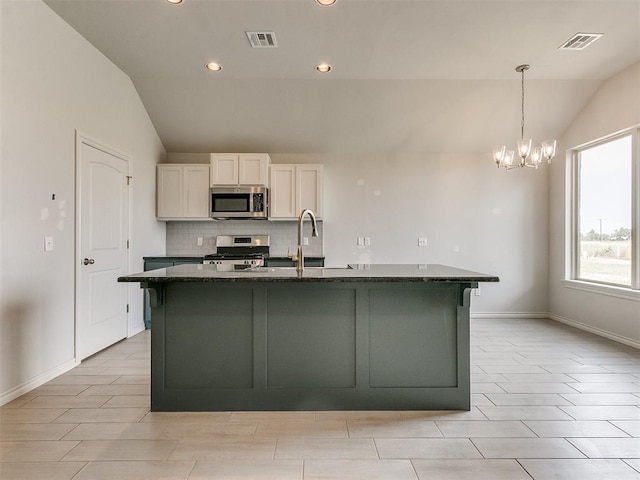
(522, 121)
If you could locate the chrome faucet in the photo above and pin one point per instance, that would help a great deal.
(299, 258)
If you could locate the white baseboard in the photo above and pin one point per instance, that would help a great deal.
(35, 382)
(136, 330)
(510, 315)
(598, 331)
(557, 318)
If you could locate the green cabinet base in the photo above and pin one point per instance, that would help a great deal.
(310, 346)
(287, 262)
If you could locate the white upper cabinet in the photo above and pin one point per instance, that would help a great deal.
(282, 192)
(224, 169)
(294, 188)
(182, 191)
(196, 191)
(240, 169)
(253, 169)
(169, 190)
(309, 188)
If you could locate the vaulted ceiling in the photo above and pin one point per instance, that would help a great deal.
(407, 75)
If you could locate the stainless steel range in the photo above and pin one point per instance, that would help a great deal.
(238, 252)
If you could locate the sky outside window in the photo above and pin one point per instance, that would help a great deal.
(605, 208)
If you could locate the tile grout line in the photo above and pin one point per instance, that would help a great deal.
(523, 468)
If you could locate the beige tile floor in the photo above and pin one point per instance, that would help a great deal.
(549, 402)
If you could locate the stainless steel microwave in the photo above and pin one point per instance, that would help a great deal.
(238, 202)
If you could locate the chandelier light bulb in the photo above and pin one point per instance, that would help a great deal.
(524, 147)
(535, 158)
(508, 158)
(549, 149)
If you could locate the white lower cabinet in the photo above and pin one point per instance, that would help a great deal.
(294, 187)
(182, 191)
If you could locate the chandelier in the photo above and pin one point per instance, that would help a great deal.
(528, 157)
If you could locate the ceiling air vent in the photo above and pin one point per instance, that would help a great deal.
(262, 39)
(580, 41)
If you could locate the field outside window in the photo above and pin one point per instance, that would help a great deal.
(604, 213)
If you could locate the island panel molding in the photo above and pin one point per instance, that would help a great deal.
(208, 344)
(404, 352)
(301, 323)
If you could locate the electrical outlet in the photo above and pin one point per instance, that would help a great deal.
(367, 241)
(305, 240)
(422, 241)
(48, 244)
(199, 241)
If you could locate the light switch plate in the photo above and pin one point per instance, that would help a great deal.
(48, 244)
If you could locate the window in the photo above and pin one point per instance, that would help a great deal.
(605, 219)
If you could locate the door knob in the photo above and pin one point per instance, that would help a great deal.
(88, 261)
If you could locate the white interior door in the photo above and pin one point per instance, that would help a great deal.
(103, 230)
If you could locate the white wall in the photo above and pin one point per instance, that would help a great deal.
(474, 216)
(54, 82)
(614, 107)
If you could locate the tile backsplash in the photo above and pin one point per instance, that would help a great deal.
(182, 237)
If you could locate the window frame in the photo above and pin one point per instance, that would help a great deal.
(571, 280)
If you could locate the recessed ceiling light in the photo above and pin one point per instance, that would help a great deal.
(213, 66)
(326, 3)
(323, 67)
(175, 2)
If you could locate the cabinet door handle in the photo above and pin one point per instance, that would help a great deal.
(88, 261)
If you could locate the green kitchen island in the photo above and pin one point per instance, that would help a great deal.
(371, 337)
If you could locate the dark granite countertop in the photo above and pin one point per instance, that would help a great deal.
(354, 273)
(169, 257)
(285, 257)
(200, 257)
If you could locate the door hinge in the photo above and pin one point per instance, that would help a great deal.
(127, 308)
(129, 179)
(127, 244)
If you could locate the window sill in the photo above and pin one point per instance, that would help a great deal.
(610, 290)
